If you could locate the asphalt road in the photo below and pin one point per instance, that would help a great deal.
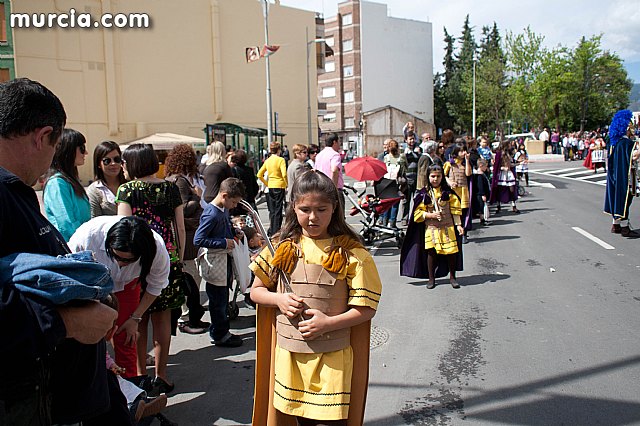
(542, 332)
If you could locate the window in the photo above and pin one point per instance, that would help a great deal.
(347, 70)
(349, 122)
(329, 66)
(348, 96)
(347, 19)
(328, 92)
(347, 45)
(329, 41)
(329, 117)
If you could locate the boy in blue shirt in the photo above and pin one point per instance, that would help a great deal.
(216, 234)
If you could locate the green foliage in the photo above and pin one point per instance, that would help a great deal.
(523, 81)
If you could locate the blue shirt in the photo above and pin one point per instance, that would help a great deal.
(63, 207)
(214, 229)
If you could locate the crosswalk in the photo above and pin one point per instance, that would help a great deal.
(579, 173)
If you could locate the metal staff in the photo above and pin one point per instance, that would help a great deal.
(436, 204)
(256, 219)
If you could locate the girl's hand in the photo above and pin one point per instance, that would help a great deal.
(436, 215)
(130, 327)
(290, 304)
(460, 229)
(484, 198)
(117, 370)
(315, 326)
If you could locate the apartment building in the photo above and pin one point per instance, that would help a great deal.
(378, 61)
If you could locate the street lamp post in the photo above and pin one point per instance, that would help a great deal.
(309, 44)
(265, 13)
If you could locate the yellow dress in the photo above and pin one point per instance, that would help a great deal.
(462, 191)
(318, 385)
(440, 235)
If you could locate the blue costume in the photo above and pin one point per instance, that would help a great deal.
(618, 194)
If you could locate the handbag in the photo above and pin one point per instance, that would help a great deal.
(485, 212)
(212, 265)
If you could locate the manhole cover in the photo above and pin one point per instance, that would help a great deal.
(379, 337)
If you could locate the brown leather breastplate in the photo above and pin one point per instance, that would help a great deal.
(457, 177)
(447, 218)
(322, 291)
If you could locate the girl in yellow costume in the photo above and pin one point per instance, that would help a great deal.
(457, 171)
(441, 211)
(312, 357)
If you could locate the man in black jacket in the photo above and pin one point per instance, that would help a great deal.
(52, 358)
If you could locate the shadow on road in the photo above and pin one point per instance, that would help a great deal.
(467, 281)
(550, 407)
(481, 240)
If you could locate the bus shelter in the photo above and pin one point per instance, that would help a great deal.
(251, 139)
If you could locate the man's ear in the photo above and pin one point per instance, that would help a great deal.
(42, 136)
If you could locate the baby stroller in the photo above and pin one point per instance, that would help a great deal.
(371, 207)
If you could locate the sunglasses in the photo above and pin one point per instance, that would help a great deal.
(83, 149)
(126, 260)
(106, 161)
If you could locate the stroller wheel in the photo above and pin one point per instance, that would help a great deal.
(233, 310)
(369, 237)
(400, 239)
(521, 190)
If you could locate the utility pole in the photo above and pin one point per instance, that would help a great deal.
(265, 13)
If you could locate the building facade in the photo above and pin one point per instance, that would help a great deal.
(7, 67)
(378, 61)
(186, 70)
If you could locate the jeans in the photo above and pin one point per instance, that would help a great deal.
(275, 201)
(57, 279)
(391, 215)
(218, 301)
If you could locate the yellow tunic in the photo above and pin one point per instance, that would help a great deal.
(442, 238)
(462, 191)
(318, 386)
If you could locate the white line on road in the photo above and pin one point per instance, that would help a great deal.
(593, 238)
(600, 183)
(579, 172)
(591, 176)
(542, 184)
(553, 172)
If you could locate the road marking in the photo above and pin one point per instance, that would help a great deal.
(599, 183)
(541, 184)
(552, 172)
(579, 172)
(591, 176)
(593, 238)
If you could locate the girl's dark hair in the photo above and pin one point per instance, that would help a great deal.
(131, 234)
(101, 151)
(444, 185)
(240, 157)
(455, 150)
(141, 160)
(447, 137)
(64, 159)
(316, 182)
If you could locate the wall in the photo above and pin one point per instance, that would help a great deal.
(387, 123)
(189, 69)
(397, 62)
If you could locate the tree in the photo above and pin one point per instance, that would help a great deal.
(440, 85)
(459, 89)
(491, 88)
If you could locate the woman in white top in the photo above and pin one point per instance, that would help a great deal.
(108, 175)
(139, 263)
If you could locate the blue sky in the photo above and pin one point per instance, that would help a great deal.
(561, 22)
